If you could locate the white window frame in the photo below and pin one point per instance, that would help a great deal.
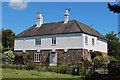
(93, 41)
(38, 42)
(36, 57)
(86, 40)
(24, 39)
(54, 41)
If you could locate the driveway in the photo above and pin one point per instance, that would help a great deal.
(102, 75)
(101, 72)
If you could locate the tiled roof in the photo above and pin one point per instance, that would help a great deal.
(60, 28)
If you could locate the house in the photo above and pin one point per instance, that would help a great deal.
(63, 41)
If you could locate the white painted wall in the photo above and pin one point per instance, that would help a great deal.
(100, 44)
(63, 41)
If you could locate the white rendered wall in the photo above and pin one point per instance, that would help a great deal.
(64, 41)
(100, 44)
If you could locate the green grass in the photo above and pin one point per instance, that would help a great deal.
(13, 73)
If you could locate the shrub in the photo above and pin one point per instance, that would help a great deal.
(94, 54)
(81, 70)
(19, 67)
(4, 65)
(63, 69)
(9, 55)
(98, 60)
(52, 69)
(88, 63)
(111, 58)
(59, 63)
(32, 66)
(13, 67)
(18, 59)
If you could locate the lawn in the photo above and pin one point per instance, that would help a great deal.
(13, 73)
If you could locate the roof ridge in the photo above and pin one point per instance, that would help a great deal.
(72, 26)
(56, 22)
(78, 25)
(90, 28)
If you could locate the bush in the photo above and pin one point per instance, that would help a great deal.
(98, 60)
(94, 54)
(63, 69)
(81, 70)
(111, 58)
(9, 55)
(19, 67)
(32, 66)
(52, 69)
(18, 59)
(4, 65)
(59, 63)
(88, 63)
(13, 67)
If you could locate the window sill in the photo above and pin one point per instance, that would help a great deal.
(36, 61)
(53, 44)
(37, 45)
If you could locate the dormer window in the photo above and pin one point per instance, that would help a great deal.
(38, 41)
(54, 41)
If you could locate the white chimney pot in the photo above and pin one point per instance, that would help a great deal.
(39, 19)
(66, 19)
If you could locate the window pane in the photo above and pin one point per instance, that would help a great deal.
(93, 41)
(53, 40)
(35, 55)
(37, 41)
(39, 57)
(86, 40)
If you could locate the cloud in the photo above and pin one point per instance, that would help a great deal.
(18, 4)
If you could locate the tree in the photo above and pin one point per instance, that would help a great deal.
(113, 45)
(111, 36)
(115, 8)
(8, 38)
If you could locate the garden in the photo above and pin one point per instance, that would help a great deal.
(20, 69)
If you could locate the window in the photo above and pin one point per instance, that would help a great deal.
(97, 41)
(93, 41)
(37, 57)
(53, 40)
(24, 39)
(37, 41)
(86, 40)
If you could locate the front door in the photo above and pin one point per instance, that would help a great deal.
(53, 59)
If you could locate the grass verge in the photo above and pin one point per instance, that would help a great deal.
(13, 73)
